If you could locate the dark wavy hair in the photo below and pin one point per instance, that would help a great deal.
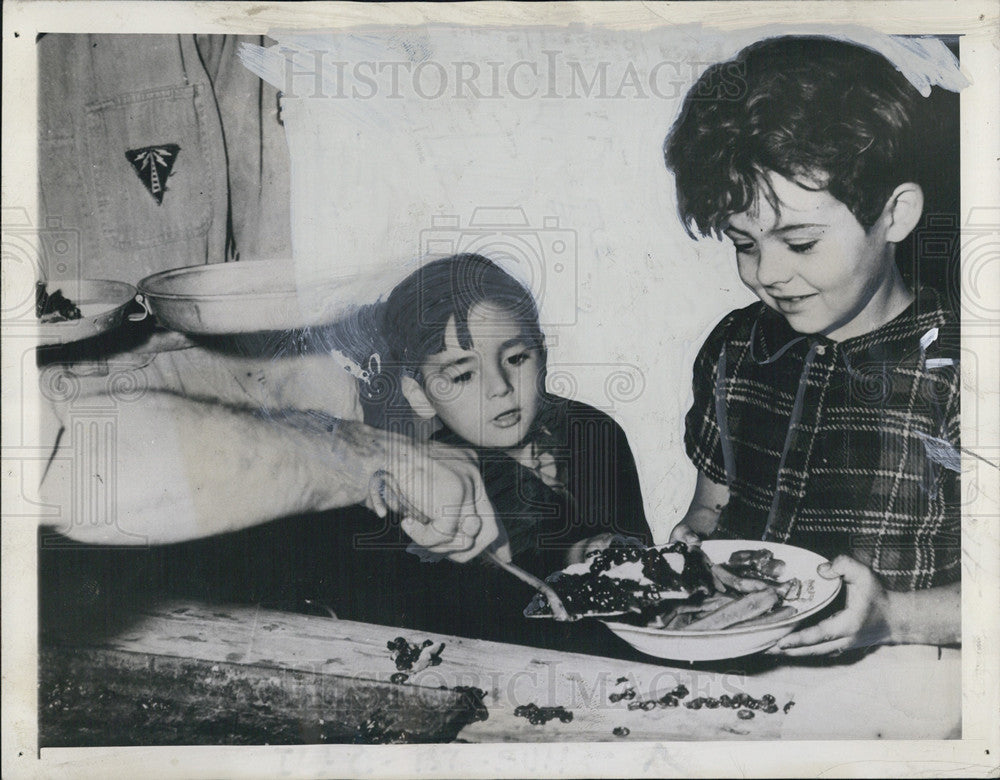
(418, 309)
(825, 114)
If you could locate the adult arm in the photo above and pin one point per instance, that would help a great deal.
(873, 615)
(180, 469)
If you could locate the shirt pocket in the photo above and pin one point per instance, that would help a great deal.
(128, 214)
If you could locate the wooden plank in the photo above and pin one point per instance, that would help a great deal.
(874, 696)
(94, 696)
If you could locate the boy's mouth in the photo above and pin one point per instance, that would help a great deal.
(791, 302)
(508, 418)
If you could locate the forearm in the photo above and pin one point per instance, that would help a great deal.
(929, 617)
(702, 519)
(182, 469)
(709, 499)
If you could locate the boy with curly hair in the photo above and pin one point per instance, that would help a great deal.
(826, 415)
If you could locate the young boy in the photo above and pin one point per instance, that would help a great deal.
(826, 415)
(467, 351)
(464, 348)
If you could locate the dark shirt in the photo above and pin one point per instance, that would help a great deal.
(839, 447)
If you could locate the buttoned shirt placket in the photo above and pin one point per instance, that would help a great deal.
(803, 428)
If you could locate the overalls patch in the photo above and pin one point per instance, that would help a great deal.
(153, 165)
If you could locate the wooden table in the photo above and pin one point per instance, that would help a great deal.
(891, 693)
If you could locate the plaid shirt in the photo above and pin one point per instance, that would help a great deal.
(849, 447)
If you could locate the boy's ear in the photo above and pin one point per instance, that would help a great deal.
(416, 398)
(902, 211)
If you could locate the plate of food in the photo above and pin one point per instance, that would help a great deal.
(724, 599)
(74, 309)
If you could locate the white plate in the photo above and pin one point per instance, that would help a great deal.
(246, 297)
(101, 302)
(681, 645)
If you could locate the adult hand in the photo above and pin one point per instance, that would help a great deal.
(682, 533)
(862, 622)
(440, 495)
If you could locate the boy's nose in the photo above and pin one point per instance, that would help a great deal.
(774, 267)
(497, 384)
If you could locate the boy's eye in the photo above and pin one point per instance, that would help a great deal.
(461, 379)
(519, 358)
(803, 247)
(743, 247)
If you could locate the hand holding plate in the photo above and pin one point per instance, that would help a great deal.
(861, 623)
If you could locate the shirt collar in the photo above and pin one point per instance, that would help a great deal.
(771, 337)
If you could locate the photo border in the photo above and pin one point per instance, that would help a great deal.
(976, 754)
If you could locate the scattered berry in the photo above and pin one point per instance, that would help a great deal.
(744, 714)
(626, 695)
(538, 716)
(788, 706)
(406, 655)
(620, 731)
(399, 677)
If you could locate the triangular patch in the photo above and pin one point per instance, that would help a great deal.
(154, 164)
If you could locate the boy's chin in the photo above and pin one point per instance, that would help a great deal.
(504, 439)
(501, 443)
(807, 327)
(800, 323)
